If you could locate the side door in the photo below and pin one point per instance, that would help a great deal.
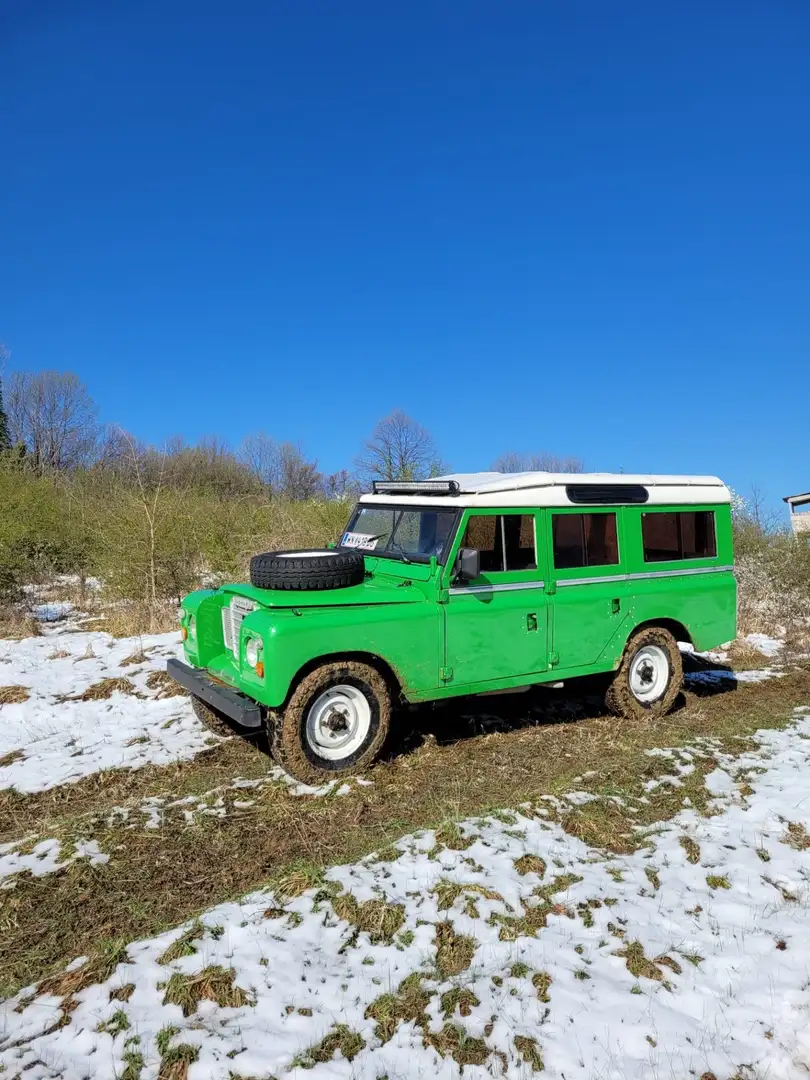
(587, 579)
(496, 627)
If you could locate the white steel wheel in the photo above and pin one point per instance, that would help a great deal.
(338, 722)
(649, 674)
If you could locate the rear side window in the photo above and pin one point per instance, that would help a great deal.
(584, 540)
(680, 534)
(505, 542)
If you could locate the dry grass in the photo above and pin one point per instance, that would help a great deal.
(407, 1005)
(16, 624)
(637, 963)
(535, 917)
(11, 757)
(447, 892)
(164, 685)
(130, 618)
(459, 998)
(374, 917)
(530, 864)
(102, 690)
(183, 945)
(159, 879)
(453, 1041)
(14, 695)
(718, 881)
(454, 952)
(744, 657)
(797, 836)
(541, 981)
(340, 1038)
(529, 1052)
(692, 849)
(97, 968)
(175, 1061)
(211, 984)
(138, 657)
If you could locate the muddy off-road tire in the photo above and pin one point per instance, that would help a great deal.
(216, 723)
(307, 570)
(335, 722)
(649, 677)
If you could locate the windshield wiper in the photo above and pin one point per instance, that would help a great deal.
(395, 544)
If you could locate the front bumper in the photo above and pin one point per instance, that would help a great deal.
(237, 707)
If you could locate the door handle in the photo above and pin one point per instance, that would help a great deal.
(531, 622)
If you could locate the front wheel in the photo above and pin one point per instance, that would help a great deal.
(335, 722)
(217, 723)
(649, 677)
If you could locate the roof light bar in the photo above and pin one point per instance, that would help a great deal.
(415, 487)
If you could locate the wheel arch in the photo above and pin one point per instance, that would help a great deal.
(358, 656)
(676, 628)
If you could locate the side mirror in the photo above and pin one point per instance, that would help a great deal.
(468, 566)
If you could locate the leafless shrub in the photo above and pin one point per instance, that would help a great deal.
(512, 461)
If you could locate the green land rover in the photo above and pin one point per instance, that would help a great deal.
(466, 584)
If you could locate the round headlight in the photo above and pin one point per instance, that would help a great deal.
(253, 650)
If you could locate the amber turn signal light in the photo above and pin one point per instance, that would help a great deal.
(259, 669)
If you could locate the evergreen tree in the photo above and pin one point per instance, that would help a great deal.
(5, 438)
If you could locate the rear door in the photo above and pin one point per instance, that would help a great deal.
(587, 578)
(496, 627)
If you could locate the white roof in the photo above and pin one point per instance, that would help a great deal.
(492, 489)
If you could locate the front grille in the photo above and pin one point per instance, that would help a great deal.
(232, 617)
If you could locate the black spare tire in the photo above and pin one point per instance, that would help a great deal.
(307, 570)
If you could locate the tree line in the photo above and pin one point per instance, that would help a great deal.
(85, 499)
(49, 424)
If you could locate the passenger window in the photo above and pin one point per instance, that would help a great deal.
(585, 540)
(505, 542)
(673, 535)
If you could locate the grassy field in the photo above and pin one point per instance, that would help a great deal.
(184, 836)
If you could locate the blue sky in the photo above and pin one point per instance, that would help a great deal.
(575, 226)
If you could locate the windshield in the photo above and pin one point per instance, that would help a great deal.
(400, 532)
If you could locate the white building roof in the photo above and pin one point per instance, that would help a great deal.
(492, 489)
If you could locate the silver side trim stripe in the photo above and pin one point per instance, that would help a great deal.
(644, 576)
(514, 586)
(511, 586)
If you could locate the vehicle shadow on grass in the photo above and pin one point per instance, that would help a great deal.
(459, 719)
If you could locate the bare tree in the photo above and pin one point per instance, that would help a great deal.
(399, 449)
(54, 417)
(114, 450)
(259, 453)
(281, 467)
(340, 485)
(512, 461)
(299, 479)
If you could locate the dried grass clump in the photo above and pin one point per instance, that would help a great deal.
(14, 695)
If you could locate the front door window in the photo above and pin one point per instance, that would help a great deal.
(506, 542)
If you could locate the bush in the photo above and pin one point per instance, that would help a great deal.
(773, 579)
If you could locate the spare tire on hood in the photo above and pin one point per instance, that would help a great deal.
(307, 570)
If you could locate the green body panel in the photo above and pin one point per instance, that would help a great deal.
(506, 629)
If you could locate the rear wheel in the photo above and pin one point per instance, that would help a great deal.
(649, 677)
(335, 722)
